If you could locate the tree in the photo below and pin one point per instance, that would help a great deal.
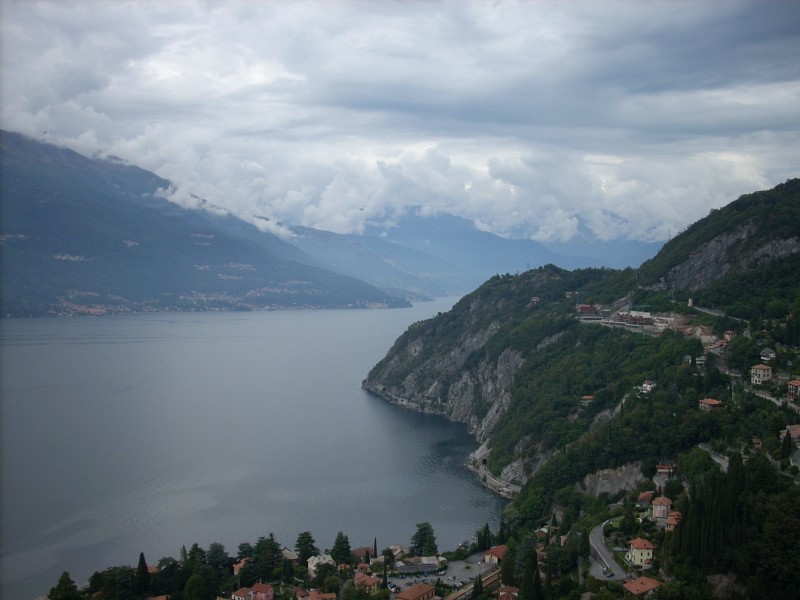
(217, 557)
(477, 588)
(196, 555)
(526, 592)
(508, 574)
(423, 542)
(322, 572)
(245, 551)
(141, 581)
(305, 548)
(198, 587)
(65, 589)
(341, 552)
(628, 523)
(267, 557)
(787, 446)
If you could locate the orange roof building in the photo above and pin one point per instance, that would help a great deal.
(641, 586)
(421, 591)
(496, 554)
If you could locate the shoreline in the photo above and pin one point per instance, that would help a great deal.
(475, 459)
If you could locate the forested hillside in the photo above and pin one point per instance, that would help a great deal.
(547, 369)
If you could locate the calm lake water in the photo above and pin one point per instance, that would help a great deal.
(142, 433)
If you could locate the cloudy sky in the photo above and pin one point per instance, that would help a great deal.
(530, 118)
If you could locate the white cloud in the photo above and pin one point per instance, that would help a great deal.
(530, 118)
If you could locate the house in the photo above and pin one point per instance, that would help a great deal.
(300, 593)
(368, 583)
(586, 401)
(361, 553)
(239, 566)
(661, 507)
(673, 520)
(794, 388)
(640, 552)
(421, 591)
(644, 499)
(508, 593)
(290, 555)
(760, 374)
(794, 431)
(495, 555)
(642, 586)
(315, 561)
(709, 404)
(399, 551)
(241, 594)
(767, 354)
(756, 443)
(668, 470)
(587, 311)
(317, 595)
(261, 591)
(648, 386)
(364, 568)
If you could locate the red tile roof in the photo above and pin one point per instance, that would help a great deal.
(414, 592)
(498, 551)
(662, 501)
(641, 586)
(641, 544)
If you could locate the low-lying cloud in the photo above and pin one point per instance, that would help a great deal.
(533, 119)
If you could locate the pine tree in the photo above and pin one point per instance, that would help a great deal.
(341, 552)
(65, 589)
(141, 581)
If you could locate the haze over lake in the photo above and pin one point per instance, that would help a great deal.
(142, 433)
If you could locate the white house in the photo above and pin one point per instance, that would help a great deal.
(315, 561)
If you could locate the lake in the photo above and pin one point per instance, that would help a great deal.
(143, 433)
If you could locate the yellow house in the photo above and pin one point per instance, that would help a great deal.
(640, 552)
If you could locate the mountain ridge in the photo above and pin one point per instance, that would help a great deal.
(86, 236)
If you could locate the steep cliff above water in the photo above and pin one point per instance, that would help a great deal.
(510, 360)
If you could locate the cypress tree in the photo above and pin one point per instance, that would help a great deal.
(141, 581)
(538, 592)
(477, 588)
(526, 591)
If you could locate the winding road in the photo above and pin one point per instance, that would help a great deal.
(602, 554)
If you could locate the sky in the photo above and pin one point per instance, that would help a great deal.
(543, 120)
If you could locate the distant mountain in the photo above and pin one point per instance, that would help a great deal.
(617, 254)
(476, 254)
(410, 272)
(80, 236)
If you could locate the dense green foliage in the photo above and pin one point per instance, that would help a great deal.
(423, 542)
(575, 404)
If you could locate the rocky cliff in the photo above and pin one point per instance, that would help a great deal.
(515, 359)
